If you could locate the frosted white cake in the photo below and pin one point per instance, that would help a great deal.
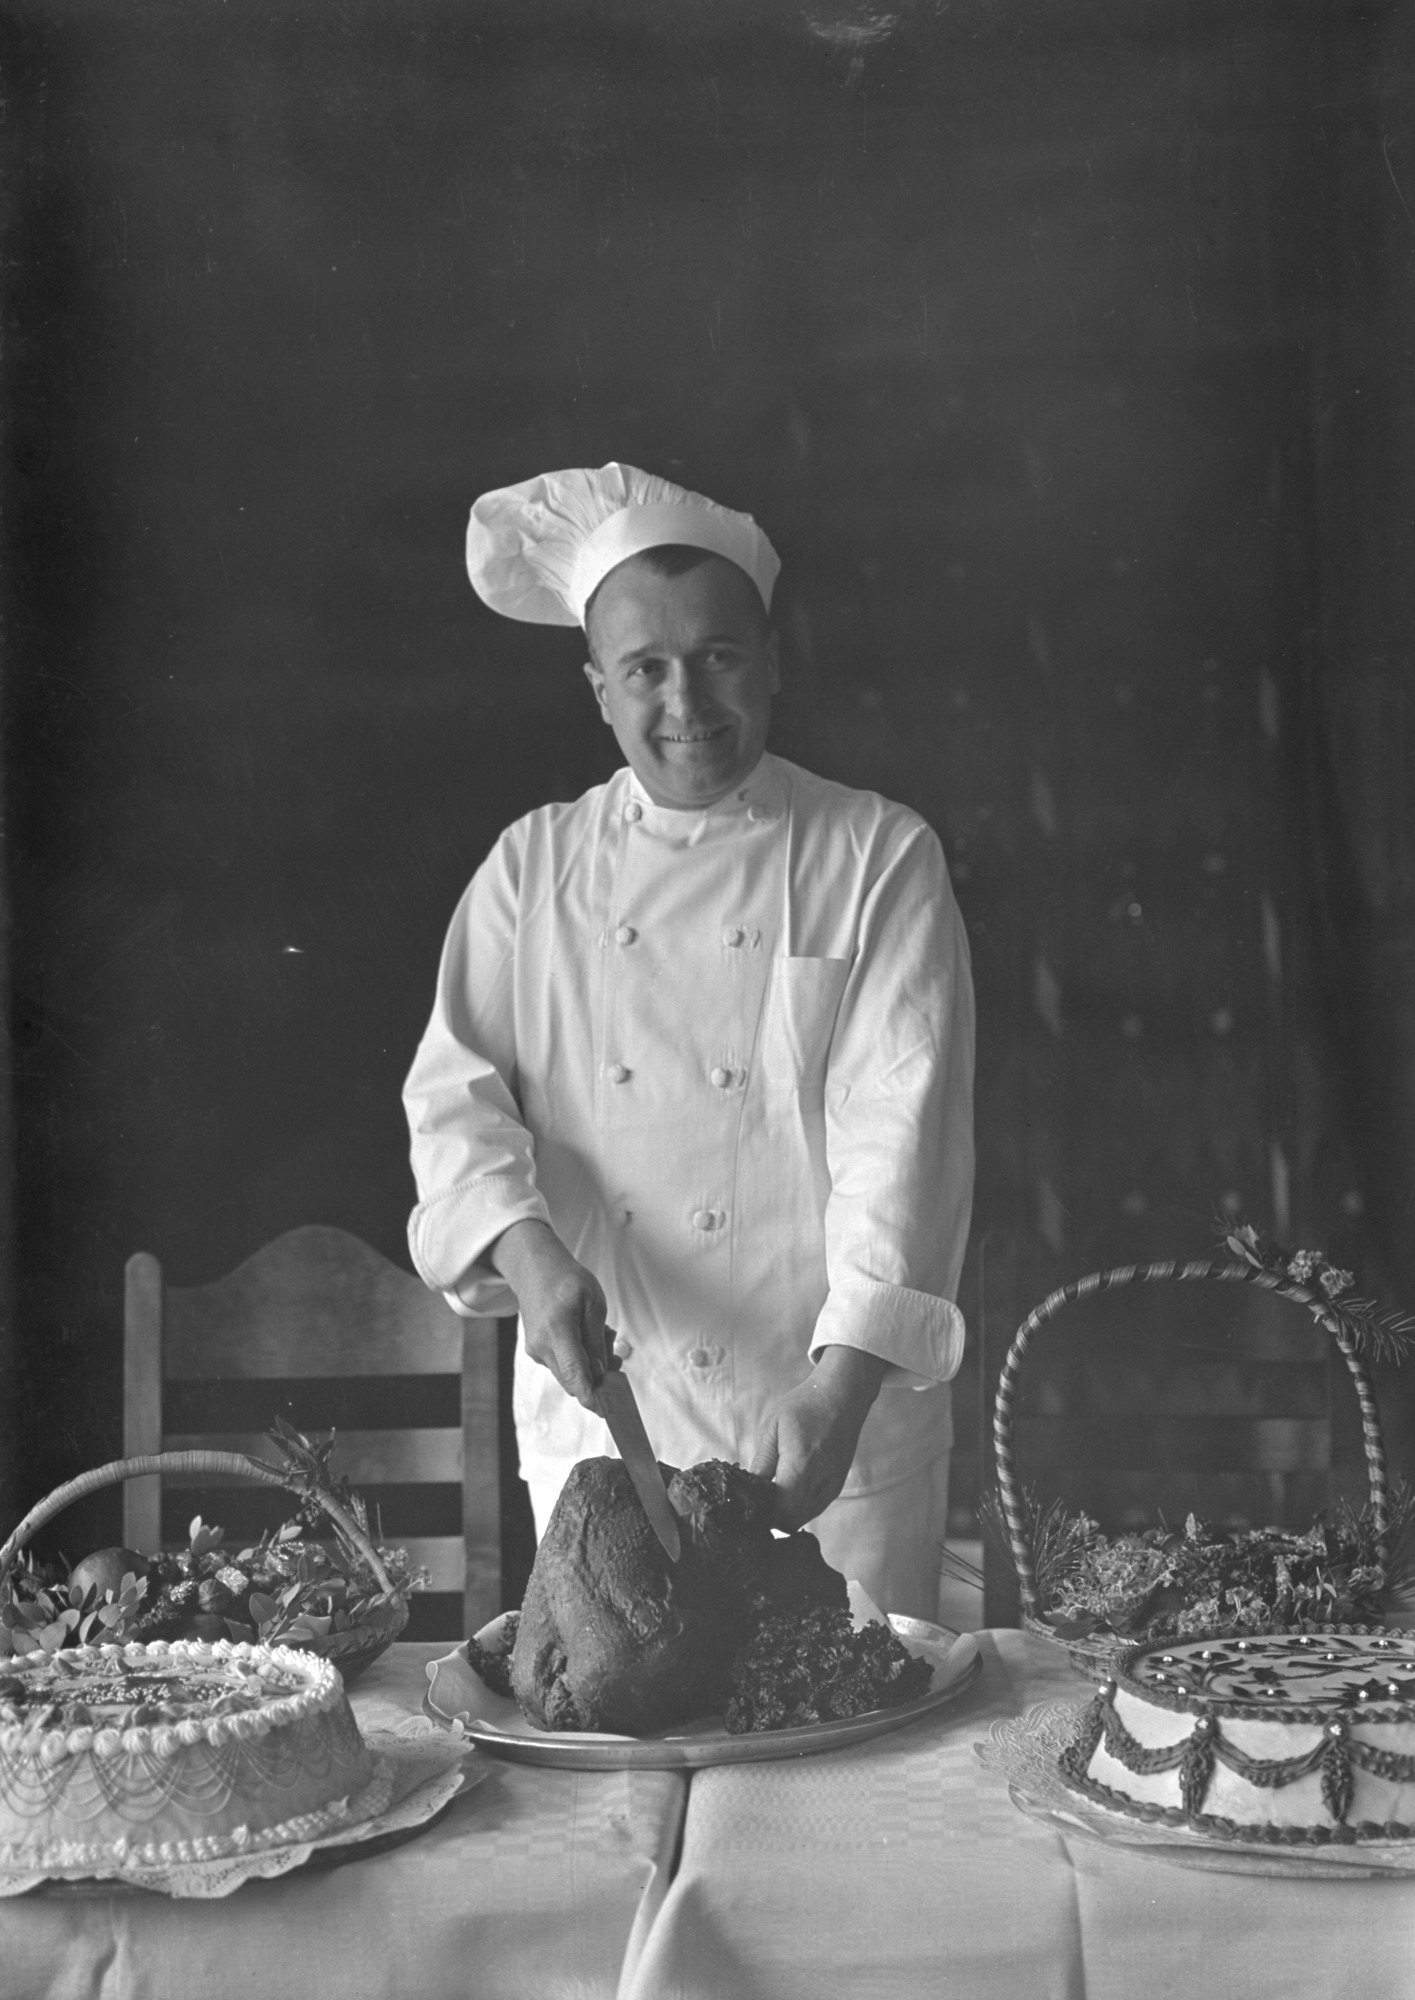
(173, 1752)
(1295, 1738)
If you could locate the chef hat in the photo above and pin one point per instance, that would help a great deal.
(539, 550)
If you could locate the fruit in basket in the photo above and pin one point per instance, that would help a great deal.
(105, 1570)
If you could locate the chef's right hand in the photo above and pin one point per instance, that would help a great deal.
(563, 1308)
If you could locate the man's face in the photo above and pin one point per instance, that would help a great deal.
(684, 670)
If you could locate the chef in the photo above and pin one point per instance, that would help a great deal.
(699, 1066)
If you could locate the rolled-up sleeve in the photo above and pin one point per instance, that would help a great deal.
(899, 1125)
(473, 1158)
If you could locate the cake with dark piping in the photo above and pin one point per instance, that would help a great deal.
(1293, 1738)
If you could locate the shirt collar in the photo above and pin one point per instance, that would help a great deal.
(760, 796)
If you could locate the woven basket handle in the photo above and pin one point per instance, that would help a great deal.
(183, 1461)
(1014, 1511)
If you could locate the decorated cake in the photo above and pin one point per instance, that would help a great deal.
(1297, 1738)
(174, 1753)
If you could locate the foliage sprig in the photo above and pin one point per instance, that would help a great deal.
(1163, 1583)
(1385, 1336)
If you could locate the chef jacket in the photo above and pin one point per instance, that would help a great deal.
(727, 1054)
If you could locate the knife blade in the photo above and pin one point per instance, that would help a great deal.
(614, 1399)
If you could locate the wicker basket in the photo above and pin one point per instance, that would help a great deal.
(1096, 1656)
(351, 1650)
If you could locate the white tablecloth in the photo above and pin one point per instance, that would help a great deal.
(896, 1869)
(902, 1868)
(537, 1884)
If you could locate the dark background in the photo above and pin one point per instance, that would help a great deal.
(1064, 351)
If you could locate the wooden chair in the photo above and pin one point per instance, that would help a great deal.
(317, 1302)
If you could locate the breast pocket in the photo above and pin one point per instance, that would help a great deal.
(798, 1019)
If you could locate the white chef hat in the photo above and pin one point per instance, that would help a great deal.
(539, 550)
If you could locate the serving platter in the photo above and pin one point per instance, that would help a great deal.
(459, 1698)
(1023, 1749)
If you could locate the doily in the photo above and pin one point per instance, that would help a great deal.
(1023, 1749)
(418, 1771)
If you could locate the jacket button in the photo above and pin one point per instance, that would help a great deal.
(625, 934)
(722, 1078)
(733, 936)
(619, 1073)
(622, 1347)
(698, 1357)
(623, 1217)
(633, 811)
(708, 1219)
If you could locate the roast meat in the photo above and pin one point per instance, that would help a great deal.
(615, 1636)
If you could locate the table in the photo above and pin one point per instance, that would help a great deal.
(537, 1884)
(901, 1868)
(896, 1869)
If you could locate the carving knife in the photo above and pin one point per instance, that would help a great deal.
(614, 1399)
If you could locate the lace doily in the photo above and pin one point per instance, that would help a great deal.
(1023, 1749)
(418, 1771)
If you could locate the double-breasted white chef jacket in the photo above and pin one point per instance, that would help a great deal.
(728, 1055)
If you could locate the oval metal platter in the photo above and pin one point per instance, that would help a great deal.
(457, 1695)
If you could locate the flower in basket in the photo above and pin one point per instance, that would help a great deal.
(1384, 1335)
(1161, 1584)
(41, 1611)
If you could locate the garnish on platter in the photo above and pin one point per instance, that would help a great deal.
(317, 1581)
(820, 1668)
(1098, 1593)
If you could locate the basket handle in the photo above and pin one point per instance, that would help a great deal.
(183, 1461)
(1014, 1512)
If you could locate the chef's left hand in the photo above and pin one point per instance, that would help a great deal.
(809, 1438)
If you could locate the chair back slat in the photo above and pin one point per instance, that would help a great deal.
(1116, 1388)
(1164, 1443)
(366, 1458)
(445, 1560)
